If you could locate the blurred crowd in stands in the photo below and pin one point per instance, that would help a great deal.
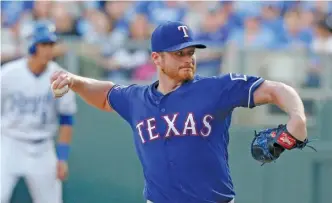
(117, 28)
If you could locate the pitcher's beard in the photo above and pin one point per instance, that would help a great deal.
(186, 75)
(182, 74)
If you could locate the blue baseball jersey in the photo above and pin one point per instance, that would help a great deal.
(181, 138)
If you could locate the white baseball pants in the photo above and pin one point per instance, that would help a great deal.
(36, 163)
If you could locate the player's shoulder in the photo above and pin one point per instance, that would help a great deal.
(129, 89)
(13, 66)
(226, 77)
(227, 80)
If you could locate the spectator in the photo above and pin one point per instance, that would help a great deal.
(253, 35)
(64, 15)
(292, 34)
(97, 27)
(131, 62)
(119, 14)
(196, 10)
(13, 36)
(214, 29)
(307, 20)
(271, 17)
(244, 9)
(233, 17)
(13, 10)
(11, 41)
(322, 42)
(84, 23)
(290, 6)
(159, 11)
(42, 10)
(321, 8)
(321, 49)
(214, 32)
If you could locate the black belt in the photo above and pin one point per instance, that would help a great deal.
(38, 141)
(32, 141)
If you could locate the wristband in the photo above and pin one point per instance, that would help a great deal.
(62, 150)
(66, 120)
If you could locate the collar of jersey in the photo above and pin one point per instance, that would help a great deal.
(30, 72)
(155, 94)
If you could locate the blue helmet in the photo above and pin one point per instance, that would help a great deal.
(43, 32)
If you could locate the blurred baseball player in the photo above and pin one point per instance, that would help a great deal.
(180, 122)
(30, 118)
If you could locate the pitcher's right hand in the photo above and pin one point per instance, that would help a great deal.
(61, 82)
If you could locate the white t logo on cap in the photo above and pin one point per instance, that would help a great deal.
(184, 30)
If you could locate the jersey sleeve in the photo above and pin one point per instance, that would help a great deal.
(240, 89)
(119, 97)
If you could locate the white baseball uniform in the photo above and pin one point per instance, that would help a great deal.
(29, 123)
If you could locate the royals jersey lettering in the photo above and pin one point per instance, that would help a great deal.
(28, 108)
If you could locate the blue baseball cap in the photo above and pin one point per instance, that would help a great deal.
(173, 36)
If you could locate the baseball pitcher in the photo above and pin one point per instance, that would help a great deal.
(30, 118)
(180, 122)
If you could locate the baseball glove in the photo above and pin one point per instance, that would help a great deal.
(269, 144)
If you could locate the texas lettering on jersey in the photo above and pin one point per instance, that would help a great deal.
(188, 128)
(196, 116)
